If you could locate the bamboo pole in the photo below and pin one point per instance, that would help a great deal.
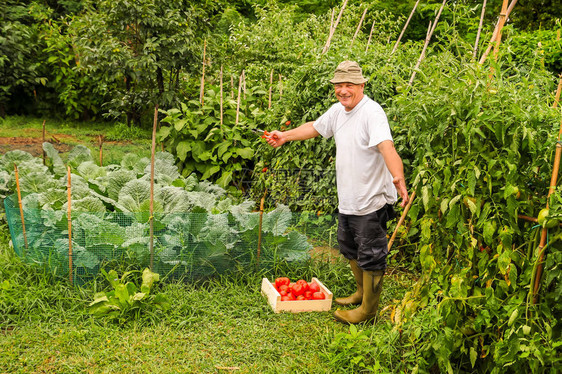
(270, 89)
(100, 143)
(43, 141)
(552, 187)
(430, 31)
(495, 34)
(232, 86)
(502, 21)
(238, 99)
(69, 218)
(401, 221)
(221, 99)
(475, 52)
(262, 203)
(333, 30)
(20, 205)
(280, 86)
(151, 209)
(370, 35)
(244, 83)
(405, 27)
(358, 27)
(201, 93)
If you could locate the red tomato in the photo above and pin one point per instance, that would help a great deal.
(283, 293)
(290, 296)
(313, 287)
(297, 289)
(263, 170)
(300, 297)
(287, 123)
(308, 295)
(281, 281)
(283, 287)
(285, 298)
(304, 284)
(318, 295)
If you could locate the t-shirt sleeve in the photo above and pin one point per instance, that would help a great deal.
(325, 123)
(378, 128)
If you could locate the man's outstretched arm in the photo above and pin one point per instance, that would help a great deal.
(305, 131)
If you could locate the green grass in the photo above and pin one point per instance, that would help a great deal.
(212, 327)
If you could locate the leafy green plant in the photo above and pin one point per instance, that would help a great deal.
(126, 300)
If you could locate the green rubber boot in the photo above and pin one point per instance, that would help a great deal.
(357, 296)
(372, 287)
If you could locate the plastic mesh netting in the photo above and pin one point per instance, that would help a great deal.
(189, 245)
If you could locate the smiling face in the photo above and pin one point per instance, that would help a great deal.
(349, 94)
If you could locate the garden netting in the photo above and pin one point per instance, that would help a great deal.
(189, 245)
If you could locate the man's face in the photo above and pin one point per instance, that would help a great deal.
(349, 94)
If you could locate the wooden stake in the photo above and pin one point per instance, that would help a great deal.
(358, 27)
(333, 30)
(244, 83)
(69, 217)
(430, 31)
(203, 74)
(280, 86)
(370, 35)
(405, 27)
(475, 52)
(44, 133)
(552, 187)
(151, 209)
(262, 202)
(270, 89)
(100, 143)
(401, 221)
(221, 99)
(496, 32)
(232, 86)
(21, 206)
(238, 100)
(503, 19)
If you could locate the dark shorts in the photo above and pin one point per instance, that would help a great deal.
(363, 238)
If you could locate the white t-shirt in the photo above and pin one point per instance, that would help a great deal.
(364, 182)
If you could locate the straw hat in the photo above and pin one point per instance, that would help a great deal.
(348, 72)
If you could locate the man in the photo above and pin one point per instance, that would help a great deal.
(369, 172)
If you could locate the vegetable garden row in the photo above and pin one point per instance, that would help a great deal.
(478, 135)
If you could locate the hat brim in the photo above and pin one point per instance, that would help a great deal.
(353, 80)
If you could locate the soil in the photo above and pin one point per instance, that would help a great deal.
(33, 145)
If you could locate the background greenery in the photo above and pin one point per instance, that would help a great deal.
(477, 142)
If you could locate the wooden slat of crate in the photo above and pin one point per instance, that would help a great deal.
(295, 306)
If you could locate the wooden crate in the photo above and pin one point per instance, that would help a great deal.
(295, 306)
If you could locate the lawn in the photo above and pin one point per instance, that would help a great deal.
(220, 325)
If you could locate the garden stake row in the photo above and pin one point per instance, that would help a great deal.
(430, 31)
(333, 29)
(358, 27)
(69, 218)
(151, 210)
(20, 205)
(497, 30)
(552, 186)
(403, 29)
(475, 52)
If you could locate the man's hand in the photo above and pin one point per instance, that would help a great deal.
(276, 138)
(400, 185)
